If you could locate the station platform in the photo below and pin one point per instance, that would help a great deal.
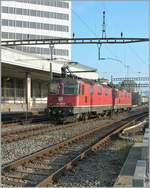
(134, 170)
(15, 116)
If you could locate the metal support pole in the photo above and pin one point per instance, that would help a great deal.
(99, 52)
(51, 47)
(28, 93)
(112, 79)
(15, 90)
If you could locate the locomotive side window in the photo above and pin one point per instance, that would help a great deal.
(91, 90)
(85, 99)
(106, 91)
(82, 89)
(72, 89)
(99, 90)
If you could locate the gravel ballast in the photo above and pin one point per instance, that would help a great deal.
(20, 148)
(100, 169)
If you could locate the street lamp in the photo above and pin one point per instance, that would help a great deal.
(113, 59)
(109, 58)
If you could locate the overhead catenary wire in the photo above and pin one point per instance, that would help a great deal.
(137, 55)
(99, 46)
(96, 35)
(89, 29)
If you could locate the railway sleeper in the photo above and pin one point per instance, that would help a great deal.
(33, 172)
(38, 167)
(13, 179)
(11, 183)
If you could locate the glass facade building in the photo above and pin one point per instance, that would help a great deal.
(37, 19)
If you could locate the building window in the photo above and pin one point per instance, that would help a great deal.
(11, 35)
(55, 3)
(5, 9)
(5, 35)
(32, 12)
(37, 13)
(36, 86)
(18, 24)
(4, 22)
(9, 87)
(34, 24)
(19, 88)
(25, 12)
(19, 11)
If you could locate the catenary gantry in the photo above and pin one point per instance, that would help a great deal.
(73, 41)
(131, 78)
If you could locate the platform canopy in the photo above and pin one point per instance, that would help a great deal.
(35, 62)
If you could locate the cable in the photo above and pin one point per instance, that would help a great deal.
(88, 27)
(84, 23)
(137, 55)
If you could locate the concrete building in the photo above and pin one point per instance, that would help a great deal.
(37, 19)
(25, 79)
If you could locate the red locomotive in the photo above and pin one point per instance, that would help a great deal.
(81, 99)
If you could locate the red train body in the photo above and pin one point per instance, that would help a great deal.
(81, 99)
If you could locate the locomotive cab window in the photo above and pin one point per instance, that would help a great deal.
(54, 88)
(71, 89)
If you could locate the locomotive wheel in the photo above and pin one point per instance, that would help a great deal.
(76, 118)
(99, 116)
(85, 117)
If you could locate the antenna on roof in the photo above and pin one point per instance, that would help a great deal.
(103, 34)
(103, 26)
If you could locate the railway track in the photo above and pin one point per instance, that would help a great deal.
(29, 131)
(20, 132)
(43, 167)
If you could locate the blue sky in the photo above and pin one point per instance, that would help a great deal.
(129, 17)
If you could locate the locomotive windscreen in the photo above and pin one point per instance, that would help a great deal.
(54, 87)
(64, 87)
(71, 88)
